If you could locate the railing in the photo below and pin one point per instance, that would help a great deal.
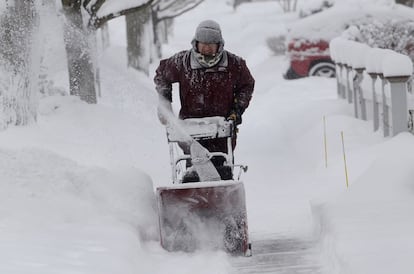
(385, 102)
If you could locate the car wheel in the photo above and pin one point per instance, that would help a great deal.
(323, 69)
(291, 74)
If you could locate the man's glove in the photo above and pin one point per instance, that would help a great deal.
(235, 115)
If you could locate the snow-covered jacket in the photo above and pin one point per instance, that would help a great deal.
(206, 92)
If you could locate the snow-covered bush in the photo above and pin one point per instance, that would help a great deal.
(307, 8)
(277, 44)
(397, 35)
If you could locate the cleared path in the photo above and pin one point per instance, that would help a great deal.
(280, 254)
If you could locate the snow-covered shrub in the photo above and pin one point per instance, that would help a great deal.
(307, 8)
(277, 44)
(397, 35)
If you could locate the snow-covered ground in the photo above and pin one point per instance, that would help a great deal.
(77, 186)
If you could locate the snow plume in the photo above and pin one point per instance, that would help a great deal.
(191, 232)
(166, 114)
(16, 32)
(179, 131)
(49, 53)
(23, 36)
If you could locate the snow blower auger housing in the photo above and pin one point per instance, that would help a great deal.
(205, 211)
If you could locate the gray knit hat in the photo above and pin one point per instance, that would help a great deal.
(209, 32)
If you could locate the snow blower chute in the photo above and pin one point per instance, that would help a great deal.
(205, 207)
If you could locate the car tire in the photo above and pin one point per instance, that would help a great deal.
(323, 69)
(291, 74)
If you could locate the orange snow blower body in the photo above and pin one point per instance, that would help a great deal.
(210, 214)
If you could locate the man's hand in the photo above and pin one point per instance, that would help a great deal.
(232, 116)
(235, 116)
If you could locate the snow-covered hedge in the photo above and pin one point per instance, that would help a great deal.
(397, 35)
(277, 44)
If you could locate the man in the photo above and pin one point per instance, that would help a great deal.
(212, 82)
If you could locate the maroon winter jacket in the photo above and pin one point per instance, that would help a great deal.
(206, 92)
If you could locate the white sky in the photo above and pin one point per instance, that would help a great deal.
(77, 186)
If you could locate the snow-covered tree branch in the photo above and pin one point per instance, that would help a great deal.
(101, 11)
(170, 9)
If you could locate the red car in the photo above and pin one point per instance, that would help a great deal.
(309, 59)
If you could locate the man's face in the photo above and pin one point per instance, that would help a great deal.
(207, 49)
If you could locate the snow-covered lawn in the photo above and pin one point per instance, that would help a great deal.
(77, 186)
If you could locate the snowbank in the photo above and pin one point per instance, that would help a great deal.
(58, 204)
(366, 228)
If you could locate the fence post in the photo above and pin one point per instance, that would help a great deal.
(348, 85)
(375, 104)
(343, 85)
(339, 80)
(385, 108)
(354, 94)
(359, 95)
(399, 116)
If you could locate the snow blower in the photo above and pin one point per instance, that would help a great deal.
(204, 208)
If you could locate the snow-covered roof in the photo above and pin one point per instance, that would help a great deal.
(332, 22)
